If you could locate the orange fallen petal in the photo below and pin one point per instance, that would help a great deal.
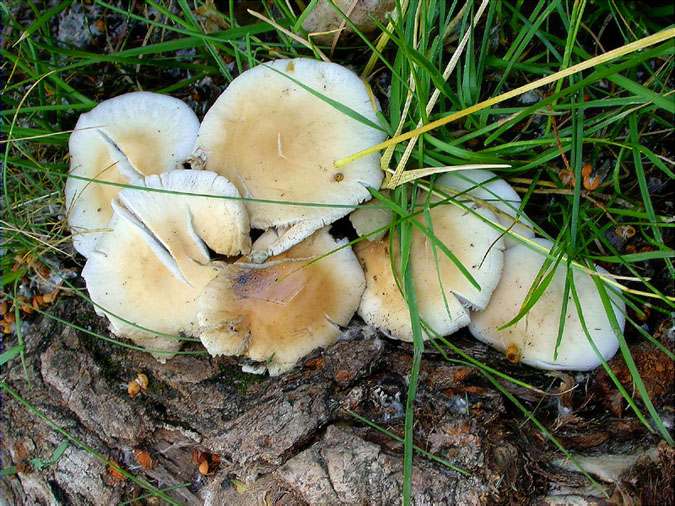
(204, 468)
(591, 183)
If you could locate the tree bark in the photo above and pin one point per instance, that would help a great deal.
(295, 439)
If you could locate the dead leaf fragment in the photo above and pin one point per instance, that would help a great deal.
(204, 468)
(656, 370)
(513, 354)
(139, 384)
(114, 471)
(143, 458)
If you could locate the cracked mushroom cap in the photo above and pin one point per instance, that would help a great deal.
(494, 191)
(444, 295)
(277, 141)
(279, 311)
(186, 222)
(534, 336)
(146, 274)
(121, 140)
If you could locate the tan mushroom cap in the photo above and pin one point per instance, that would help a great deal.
(120, 140)
(184, 223)
(495, 192)
(277, 141)
(279, 311)
(533, 337)
(369, 219)
(473, 242)
(126, 277)
(146, 274)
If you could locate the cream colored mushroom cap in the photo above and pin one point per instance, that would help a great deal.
(130, 283)
(494, 191)
(382, 305)
(535, 335)
(369, 219)
(146, 274)
(277, 141)
(443, 293)
(207, 210)
(279, 311)
(121, 139)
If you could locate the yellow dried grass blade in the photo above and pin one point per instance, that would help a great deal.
(389, 152)
(412, 175)
(395, 180)
(590, 63)
(382, 41)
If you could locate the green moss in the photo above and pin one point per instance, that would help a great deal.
(233, 375)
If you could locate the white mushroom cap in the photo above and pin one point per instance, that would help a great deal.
(369, 218)
(534, 336)
(383, 306)
(127, 275)
(279, 311)
(277, 141)
(497, 194)
(185, 223)
(149, 270)
(120, 140)
(476, 244)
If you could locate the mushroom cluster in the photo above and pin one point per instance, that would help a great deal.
(169, 250)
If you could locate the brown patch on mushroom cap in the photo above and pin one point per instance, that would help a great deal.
(280, 311)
